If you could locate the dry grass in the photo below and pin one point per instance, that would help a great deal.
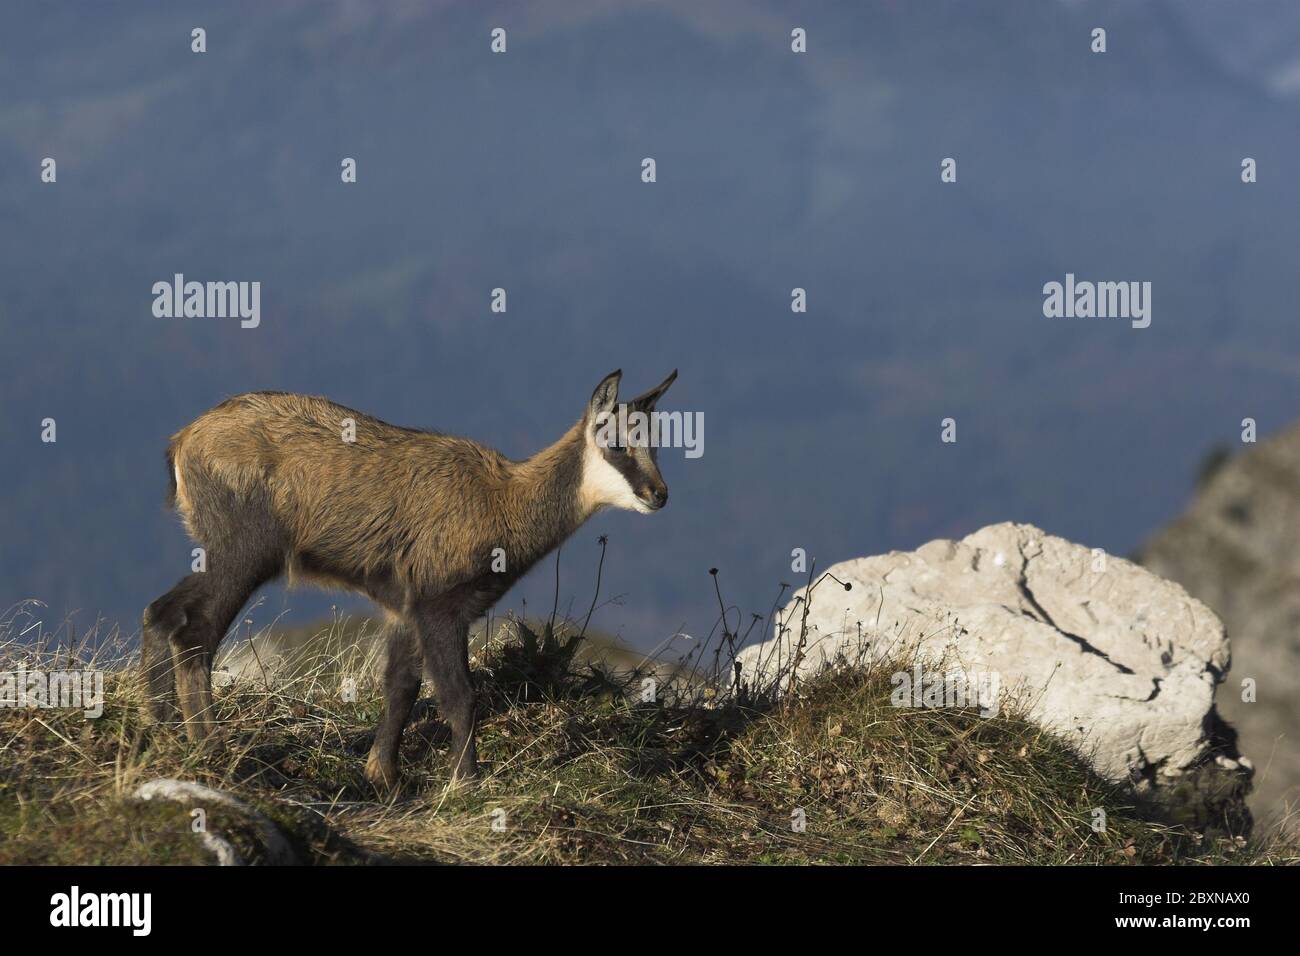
(577, 770)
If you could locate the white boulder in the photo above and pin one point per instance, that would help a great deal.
(1120, 662)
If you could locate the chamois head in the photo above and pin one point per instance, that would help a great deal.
(620, 456)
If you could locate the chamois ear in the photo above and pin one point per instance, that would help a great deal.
(605, 397)
(647, 401)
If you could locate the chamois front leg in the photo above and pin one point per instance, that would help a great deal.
(444, 638)
(401, 688)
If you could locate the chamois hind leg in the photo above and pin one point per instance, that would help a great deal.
(245, 548)
(401, 688)
(444, 640)
(194, 645)
(163, 618)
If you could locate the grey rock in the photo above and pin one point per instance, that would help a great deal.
(1096, 649)
(1237, 548)
(253, 827)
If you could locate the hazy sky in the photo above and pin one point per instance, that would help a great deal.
(775, 170)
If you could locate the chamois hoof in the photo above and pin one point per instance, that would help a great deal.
(382, 776)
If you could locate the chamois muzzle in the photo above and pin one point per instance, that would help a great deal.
(655, 498)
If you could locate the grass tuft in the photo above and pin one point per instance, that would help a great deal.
(581, 766)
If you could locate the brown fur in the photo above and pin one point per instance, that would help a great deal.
(413, 510)
(266, 483)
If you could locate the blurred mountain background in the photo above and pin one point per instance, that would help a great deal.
(775, 170)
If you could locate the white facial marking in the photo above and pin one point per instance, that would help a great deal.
(603, 486)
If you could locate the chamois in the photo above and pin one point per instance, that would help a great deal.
(271, 483)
